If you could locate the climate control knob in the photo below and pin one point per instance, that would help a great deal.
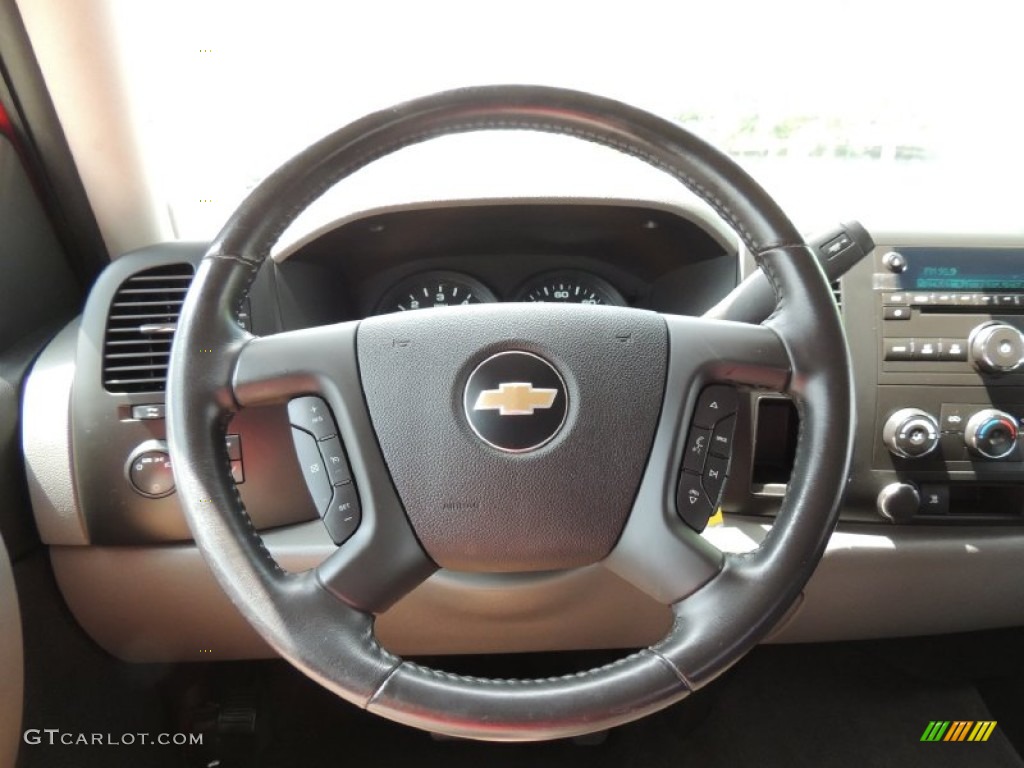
(991, 433)
(997, 348)
(911, 433)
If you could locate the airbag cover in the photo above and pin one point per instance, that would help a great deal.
(475, 506)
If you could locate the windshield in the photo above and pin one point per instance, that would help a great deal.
(902, 115)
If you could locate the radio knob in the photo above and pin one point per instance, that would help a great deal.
(911, 433)
(997, 348)
(895, 262)
(991, 433)
(899, 502)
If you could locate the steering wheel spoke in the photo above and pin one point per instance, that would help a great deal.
(382, 560)
(703, 350)
(274, 369)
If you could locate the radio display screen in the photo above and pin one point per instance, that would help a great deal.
(963, 269)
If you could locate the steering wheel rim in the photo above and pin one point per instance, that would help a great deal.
(321, 620)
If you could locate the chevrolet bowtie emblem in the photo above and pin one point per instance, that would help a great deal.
(515, 399)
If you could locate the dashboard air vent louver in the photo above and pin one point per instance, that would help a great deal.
(837, 293)
(140, 328)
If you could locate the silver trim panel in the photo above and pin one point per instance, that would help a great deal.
(46, 442)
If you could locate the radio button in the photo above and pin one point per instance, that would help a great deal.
(1006, 300)
(896, 313)
(987, 300)
(899, 350)
(921, 299)
(895, 299)
(928, 349)
(954, 349)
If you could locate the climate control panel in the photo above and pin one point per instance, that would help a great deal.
(967, 432)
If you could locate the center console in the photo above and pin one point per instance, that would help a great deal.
(948, 354)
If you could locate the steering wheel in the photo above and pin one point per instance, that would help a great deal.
(582, 469)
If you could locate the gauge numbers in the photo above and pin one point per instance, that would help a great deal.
(435, 289)
(572, 288)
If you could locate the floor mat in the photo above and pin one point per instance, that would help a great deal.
(828, 705)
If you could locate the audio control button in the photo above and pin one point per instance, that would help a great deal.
(715, 403)
(997, 348)
(928, 349)
(899, 350)
(953, 349)
(692, 504)
(896, 313)
(895, 299)
(697, 449)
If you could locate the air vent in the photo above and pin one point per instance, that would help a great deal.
(140, 329)
(837, 293)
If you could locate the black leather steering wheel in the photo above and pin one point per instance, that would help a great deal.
(630, 381)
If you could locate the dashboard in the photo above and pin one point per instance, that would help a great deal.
(930, 531)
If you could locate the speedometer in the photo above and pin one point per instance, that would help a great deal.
(571, 287)
(435, 289)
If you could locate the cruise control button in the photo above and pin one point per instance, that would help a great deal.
(334, 458)
(234, 445)
(696, 449)
(237, 472)
(721, 438)
(714, 478)
(715, 404)
(312, 415)
(692, 504)
(344, 514)
(313, 469)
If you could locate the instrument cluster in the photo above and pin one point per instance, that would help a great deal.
(445, 288)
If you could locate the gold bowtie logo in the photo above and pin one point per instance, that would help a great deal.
(515, 399)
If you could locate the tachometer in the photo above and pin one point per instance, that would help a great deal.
(573, 287)
(435, 289)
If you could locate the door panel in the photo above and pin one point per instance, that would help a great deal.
(11, 663)
(38, 294)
